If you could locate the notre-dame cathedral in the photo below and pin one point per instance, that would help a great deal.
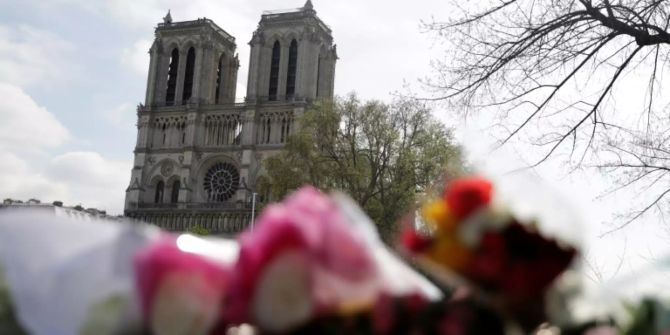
(199, 154)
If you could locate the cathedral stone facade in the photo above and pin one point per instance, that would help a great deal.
(199, 154)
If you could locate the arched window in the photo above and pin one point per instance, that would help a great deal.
(188, 76)
(268, 127)
(288, 126)
(172, 77)
(160, 188)
(274, 71)
(284, 128)
(318, 76)
(219, 78)
(174, 197)
(292, 67)
(238, 133)
(164, 134)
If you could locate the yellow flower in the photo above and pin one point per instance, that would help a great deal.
(354, 307)
(450, 252)
(438, 217)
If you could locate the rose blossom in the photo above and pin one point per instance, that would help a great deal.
(180, 292)
(468, 194)
(300, 260)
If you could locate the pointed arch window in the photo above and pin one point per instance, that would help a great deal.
(284, 130)
(158, 196)
(188, 76)
(292, 68)
(274, 71)
(174, 197)
(288, 126)
(172, 77)
(164, 134)
(318, 76)
(183, 133)
(219, 78)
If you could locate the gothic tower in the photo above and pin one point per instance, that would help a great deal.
(191, 62)
(199, 154)
(292, 57)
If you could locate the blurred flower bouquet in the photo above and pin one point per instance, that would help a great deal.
(474, 243)
(313, 264)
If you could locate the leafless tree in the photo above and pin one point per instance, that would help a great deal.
(581, 79)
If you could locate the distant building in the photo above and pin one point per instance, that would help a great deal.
(199, 153)
(76, 212)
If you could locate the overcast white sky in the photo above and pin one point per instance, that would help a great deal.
(72, 72)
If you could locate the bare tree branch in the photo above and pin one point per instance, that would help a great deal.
(565, 76)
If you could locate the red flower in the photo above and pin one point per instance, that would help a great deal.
(518, 262)
(456, 320)
(416, 302)
(383, 315)
(534, 262)
(487, 266)
(466, 195)
(414, 241)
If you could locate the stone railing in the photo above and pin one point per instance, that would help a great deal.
(283, 11)
(219, 205)
(216, 222)
(277, 99)
(186, 24)
(157, 206)
(294, 14)
(191, 205)
(162, 106)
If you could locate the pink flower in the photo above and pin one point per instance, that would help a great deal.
(180, 292)
(329, 265)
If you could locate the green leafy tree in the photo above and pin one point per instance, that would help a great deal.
(199, 230)
(384, 156)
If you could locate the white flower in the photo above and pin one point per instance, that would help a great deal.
(184, 304)
(282, 299)
(471, 230)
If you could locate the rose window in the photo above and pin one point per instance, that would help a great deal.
(221, 182)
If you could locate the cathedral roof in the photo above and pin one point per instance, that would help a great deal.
(308, 5)
(167, 25)
(305, 12)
